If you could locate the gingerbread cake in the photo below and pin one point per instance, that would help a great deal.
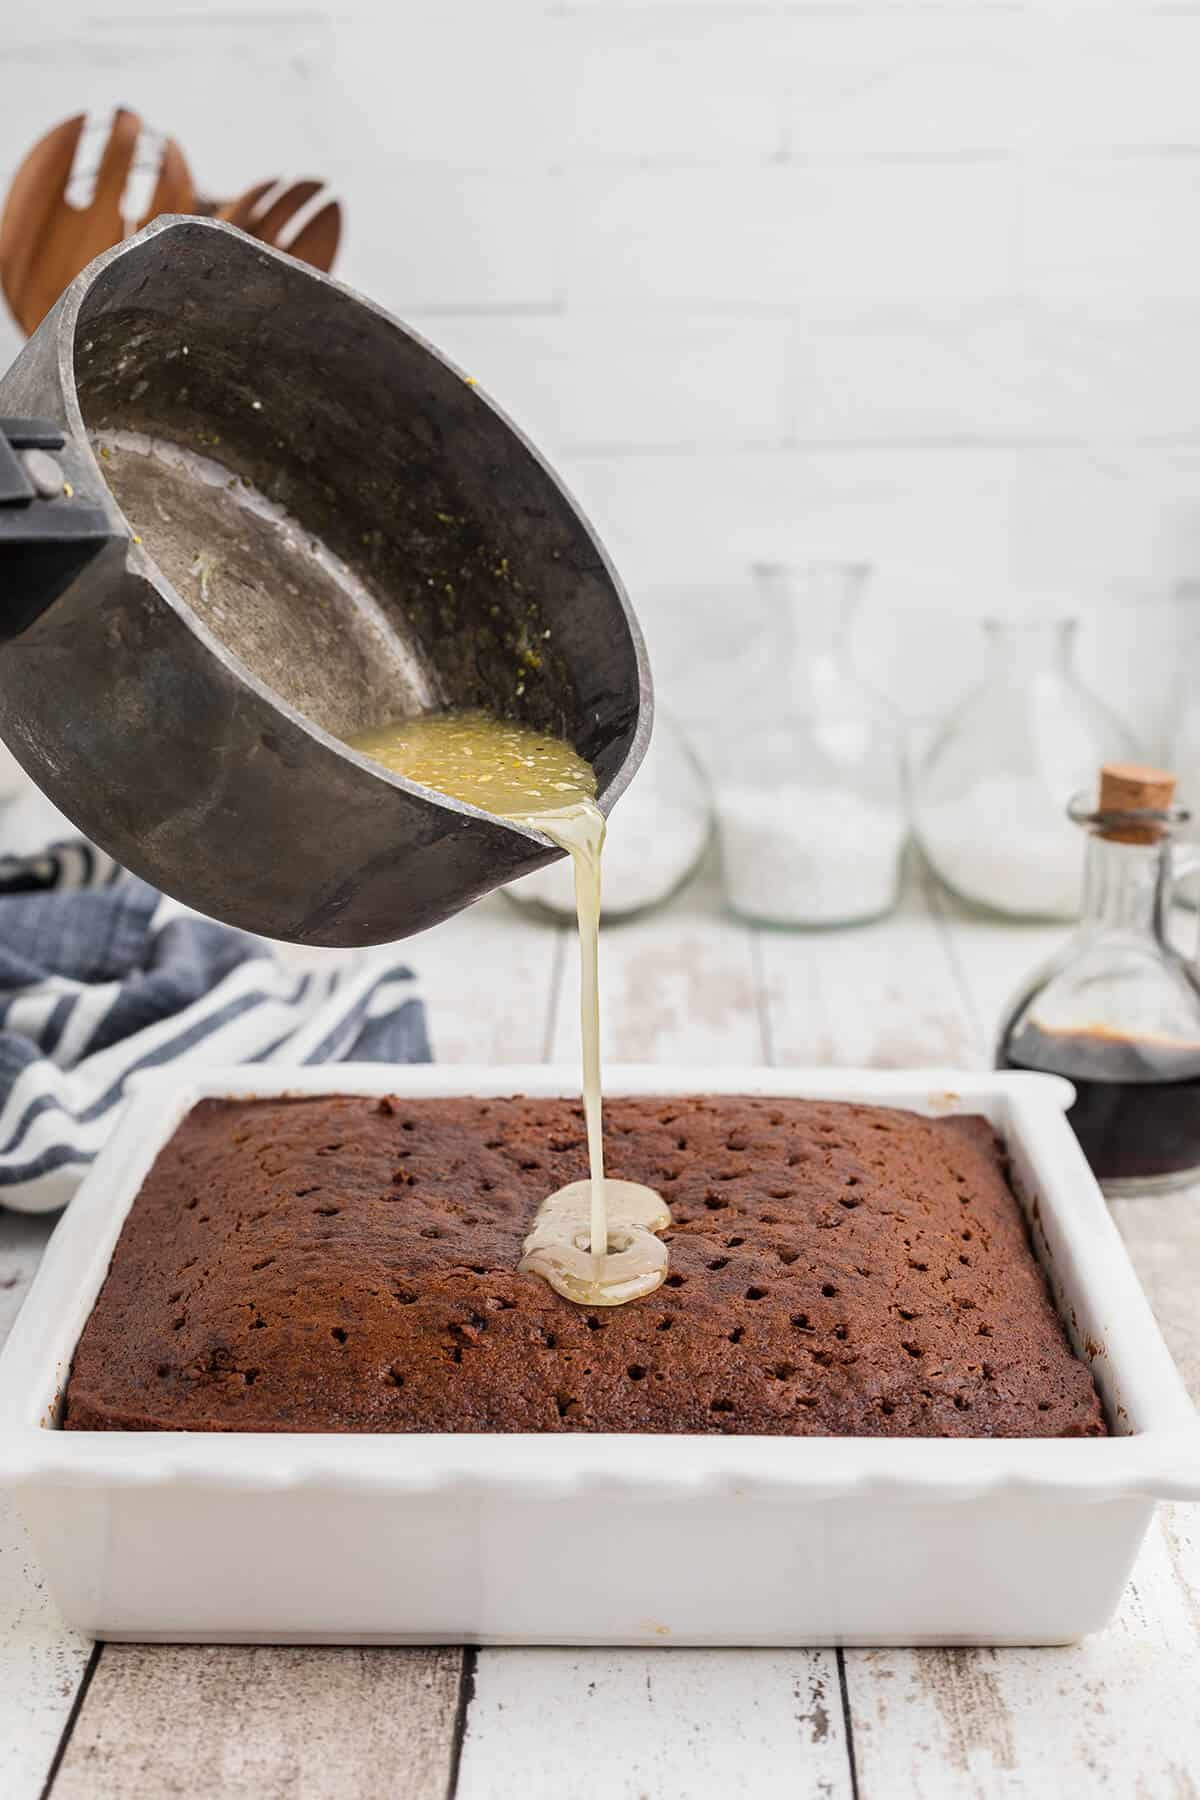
(350, 1265)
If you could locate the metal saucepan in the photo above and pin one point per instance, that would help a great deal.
(288, 520)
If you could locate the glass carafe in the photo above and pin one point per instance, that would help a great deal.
(990, 797)
(1117, 1010)
(809, 787)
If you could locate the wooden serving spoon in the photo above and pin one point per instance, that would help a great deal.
(45, 240)
(268, 218)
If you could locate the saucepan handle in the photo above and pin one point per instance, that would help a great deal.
(48, 532)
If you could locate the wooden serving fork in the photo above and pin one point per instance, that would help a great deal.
(45, 240)
(267, 209)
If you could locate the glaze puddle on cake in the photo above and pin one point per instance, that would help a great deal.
(594, 1241)
(636, 1261)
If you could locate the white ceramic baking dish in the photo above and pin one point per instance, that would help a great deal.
(491, 1539)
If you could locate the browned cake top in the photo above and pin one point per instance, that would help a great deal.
(348, 1264)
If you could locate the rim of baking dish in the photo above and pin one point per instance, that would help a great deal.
(1107, 1314)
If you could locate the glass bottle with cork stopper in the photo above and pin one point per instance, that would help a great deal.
(1117, 1010)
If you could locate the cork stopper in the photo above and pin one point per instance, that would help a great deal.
(1129, 788)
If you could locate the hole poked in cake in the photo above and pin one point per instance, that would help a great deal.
(467, 1334)
(340, 1335)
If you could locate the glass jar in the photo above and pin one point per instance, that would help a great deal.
(657, 835)
(809, 791)
(1117, 1010)
(991, 794)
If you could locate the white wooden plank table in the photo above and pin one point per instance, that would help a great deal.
(1116, 1715)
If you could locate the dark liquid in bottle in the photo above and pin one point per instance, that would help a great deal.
(1137, 1107)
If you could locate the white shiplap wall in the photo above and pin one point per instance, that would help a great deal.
(914, 282)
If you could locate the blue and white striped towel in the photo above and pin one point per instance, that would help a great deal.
(101, 977)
